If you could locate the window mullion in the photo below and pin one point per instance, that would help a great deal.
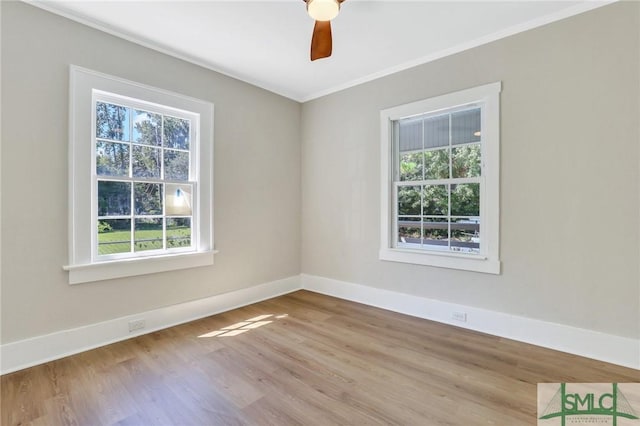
(395, 137)
(132, 218)
(424, 167)
(162, 171)
(164, 186)
(164, 217)
(449, 185)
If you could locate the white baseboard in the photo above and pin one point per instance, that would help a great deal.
(37, 350)
(591, 344)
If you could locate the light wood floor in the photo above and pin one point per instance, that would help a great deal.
(319, 361)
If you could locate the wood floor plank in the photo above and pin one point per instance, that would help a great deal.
(299, 359)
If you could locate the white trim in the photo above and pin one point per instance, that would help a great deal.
(488, 260)
(591, 344)
(37, 350)
(475, 263)
(137, 266)
(303, 97)
(587, 343)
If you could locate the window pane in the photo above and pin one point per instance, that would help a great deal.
(465, 199)
(410, 135)
(178, 232)
(436, 164)
(114, 236)
(176, 165)
(112, 121)
(466, 161)
(112, 159)
(178, 199)
(465, 235)
(435, 233)
(148, 198)
(114, 198)
(436, 131)
(176, 133)
(408, 231)
(435, 201)
(148, 234)
(411, 166)
(409, 200)
(146, 162)
(147, 127)
(465, 126)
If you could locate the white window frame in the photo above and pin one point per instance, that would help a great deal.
(488, 260)
(84, 265)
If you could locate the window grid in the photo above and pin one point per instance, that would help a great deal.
(447, 182)
(133, 215)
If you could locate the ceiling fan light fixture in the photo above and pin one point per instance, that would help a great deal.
(323, 10)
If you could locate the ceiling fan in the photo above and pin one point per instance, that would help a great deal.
(323, 11)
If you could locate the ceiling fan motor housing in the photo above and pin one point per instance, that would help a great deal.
(323, 10)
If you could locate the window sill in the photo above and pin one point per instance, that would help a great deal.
(131, 267)
(466, 262)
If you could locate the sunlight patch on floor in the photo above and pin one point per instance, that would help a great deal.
(244, 326)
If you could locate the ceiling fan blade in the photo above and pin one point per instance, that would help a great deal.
(321, 43)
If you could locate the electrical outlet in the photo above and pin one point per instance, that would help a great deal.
(136, 325)
(459, 316)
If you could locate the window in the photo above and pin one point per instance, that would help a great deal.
(141, 177)
(440, 181)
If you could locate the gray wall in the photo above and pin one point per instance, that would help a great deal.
(570, 133)
(257, 177)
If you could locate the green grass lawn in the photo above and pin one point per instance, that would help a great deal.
(112, 242)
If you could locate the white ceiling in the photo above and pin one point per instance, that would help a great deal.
(266, 43)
